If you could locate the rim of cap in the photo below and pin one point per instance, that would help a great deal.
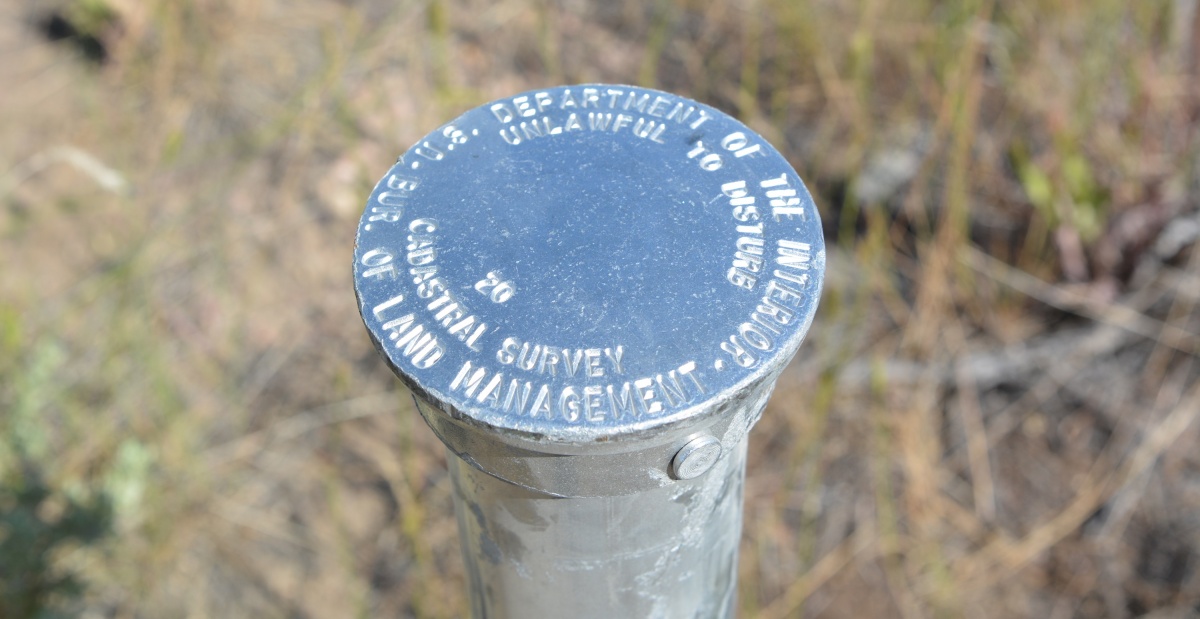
(485, 137)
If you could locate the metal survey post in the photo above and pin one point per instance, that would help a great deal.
(590, 291)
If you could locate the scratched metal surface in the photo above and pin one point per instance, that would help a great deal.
(664, 553)
(588, 264)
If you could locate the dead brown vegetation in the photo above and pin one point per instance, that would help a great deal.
(993, 417)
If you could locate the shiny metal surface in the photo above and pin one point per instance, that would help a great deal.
(668, 552)
(578, 284)
(696, 457)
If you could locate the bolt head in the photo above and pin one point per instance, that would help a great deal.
(696, 457)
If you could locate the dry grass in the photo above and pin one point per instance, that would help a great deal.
(994, 417)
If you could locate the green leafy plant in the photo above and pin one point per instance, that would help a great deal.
(35, 523)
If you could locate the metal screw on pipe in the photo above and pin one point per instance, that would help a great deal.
(590, 291)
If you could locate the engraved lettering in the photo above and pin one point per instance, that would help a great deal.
(794, 255)
(463, 326)
(592, 404)
(508, 351)
(546, 126)
(647, 398)
(494, 288)
(391, 201)
(709, 162)
(753, 334)
(779, 291)
(649, 129)
(427, 284)
(599, 121)
(517, 396)
(748, 256)
(734, 141)
(671, 388)
(492, 390)
(761, 321)
(531, 130)
(541, 403)
(622, 121)
(753, 149)
(679, 115)
(750, 244)
(676, 390)
(750, 261)
(688, 369)
(657, 108)
(740, 278)
(742, 203)
(621, 404)
(419, 241)
(510, 135)
(783, 199)
(756, 228)
(748, 250)
(573, 123)
(503, 112)
(423, 256)
(420, 251)
(399, 326)
(428, 151)
(740, 355)
(390, 214)
(455, 135)
(472, 340)
(414, 341)
(700, 121)
(774, 182)
(768, 309)
(776, 308)
(448, 311)
(800, 279)
(549, 361)
(737, 142)
(636, 103)
(523, 106)
(422, 225)
(568, 404)
(468, 379)
(379, 262)
(445, 309)
(528, 358)
(592, 96)
(614, 355)
(378, 310)
(744, 209)
(402, 183)
(592, 355)
(572, 362)
(784, 203)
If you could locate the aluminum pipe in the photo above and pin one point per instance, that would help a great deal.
(590, 291)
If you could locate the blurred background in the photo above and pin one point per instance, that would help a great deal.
(994, 415)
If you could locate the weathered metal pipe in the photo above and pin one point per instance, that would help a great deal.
(590, 291)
